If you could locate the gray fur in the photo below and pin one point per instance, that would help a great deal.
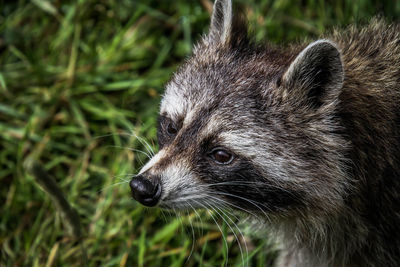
(315, 134)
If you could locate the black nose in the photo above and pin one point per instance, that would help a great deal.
(146, 191)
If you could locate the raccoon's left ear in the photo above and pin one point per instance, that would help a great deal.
(316, 75)
(221, 21)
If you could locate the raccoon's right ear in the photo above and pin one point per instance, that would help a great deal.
(316, 75)
(221, 21)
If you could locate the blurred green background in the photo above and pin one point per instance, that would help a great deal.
(79, 80)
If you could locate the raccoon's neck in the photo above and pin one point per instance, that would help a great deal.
(312, 242)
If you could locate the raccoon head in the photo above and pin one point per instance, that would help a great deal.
(249, 128)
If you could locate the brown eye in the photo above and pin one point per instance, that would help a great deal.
(172, 129)
(221, 156)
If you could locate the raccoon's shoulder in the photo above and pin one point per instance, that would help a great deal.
(376, 41)
(371, 60)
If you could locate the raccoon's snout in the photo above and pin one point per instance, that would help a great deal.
(146, 191)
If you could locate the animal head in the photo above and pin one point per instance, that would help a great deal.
(249, 127)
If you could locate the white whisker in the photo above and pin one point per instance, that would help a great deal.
(149, 156)
(145, 144)
(230, 227)
(222, 233)
(193, 236)
(255, 203)
(234, 206)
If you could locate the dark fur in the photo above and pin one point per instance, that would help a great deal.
(332, 125)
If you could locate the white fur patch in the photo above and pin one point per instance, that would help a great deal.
(176, 179)
(178, 183)
(153, 161)
(173, 103)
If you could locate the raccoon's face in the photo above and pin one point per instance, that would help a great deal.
(247, 129)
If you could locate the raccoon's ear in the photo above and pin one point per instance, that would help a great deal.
(221, 21)
(316, 75)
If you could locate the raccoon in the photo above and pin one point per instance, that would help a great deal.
(306, 137)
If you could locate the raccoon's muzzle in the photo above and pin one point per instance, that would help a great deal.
(146, 191)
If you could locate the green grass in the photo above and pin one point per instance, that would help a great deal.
(78, 81)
